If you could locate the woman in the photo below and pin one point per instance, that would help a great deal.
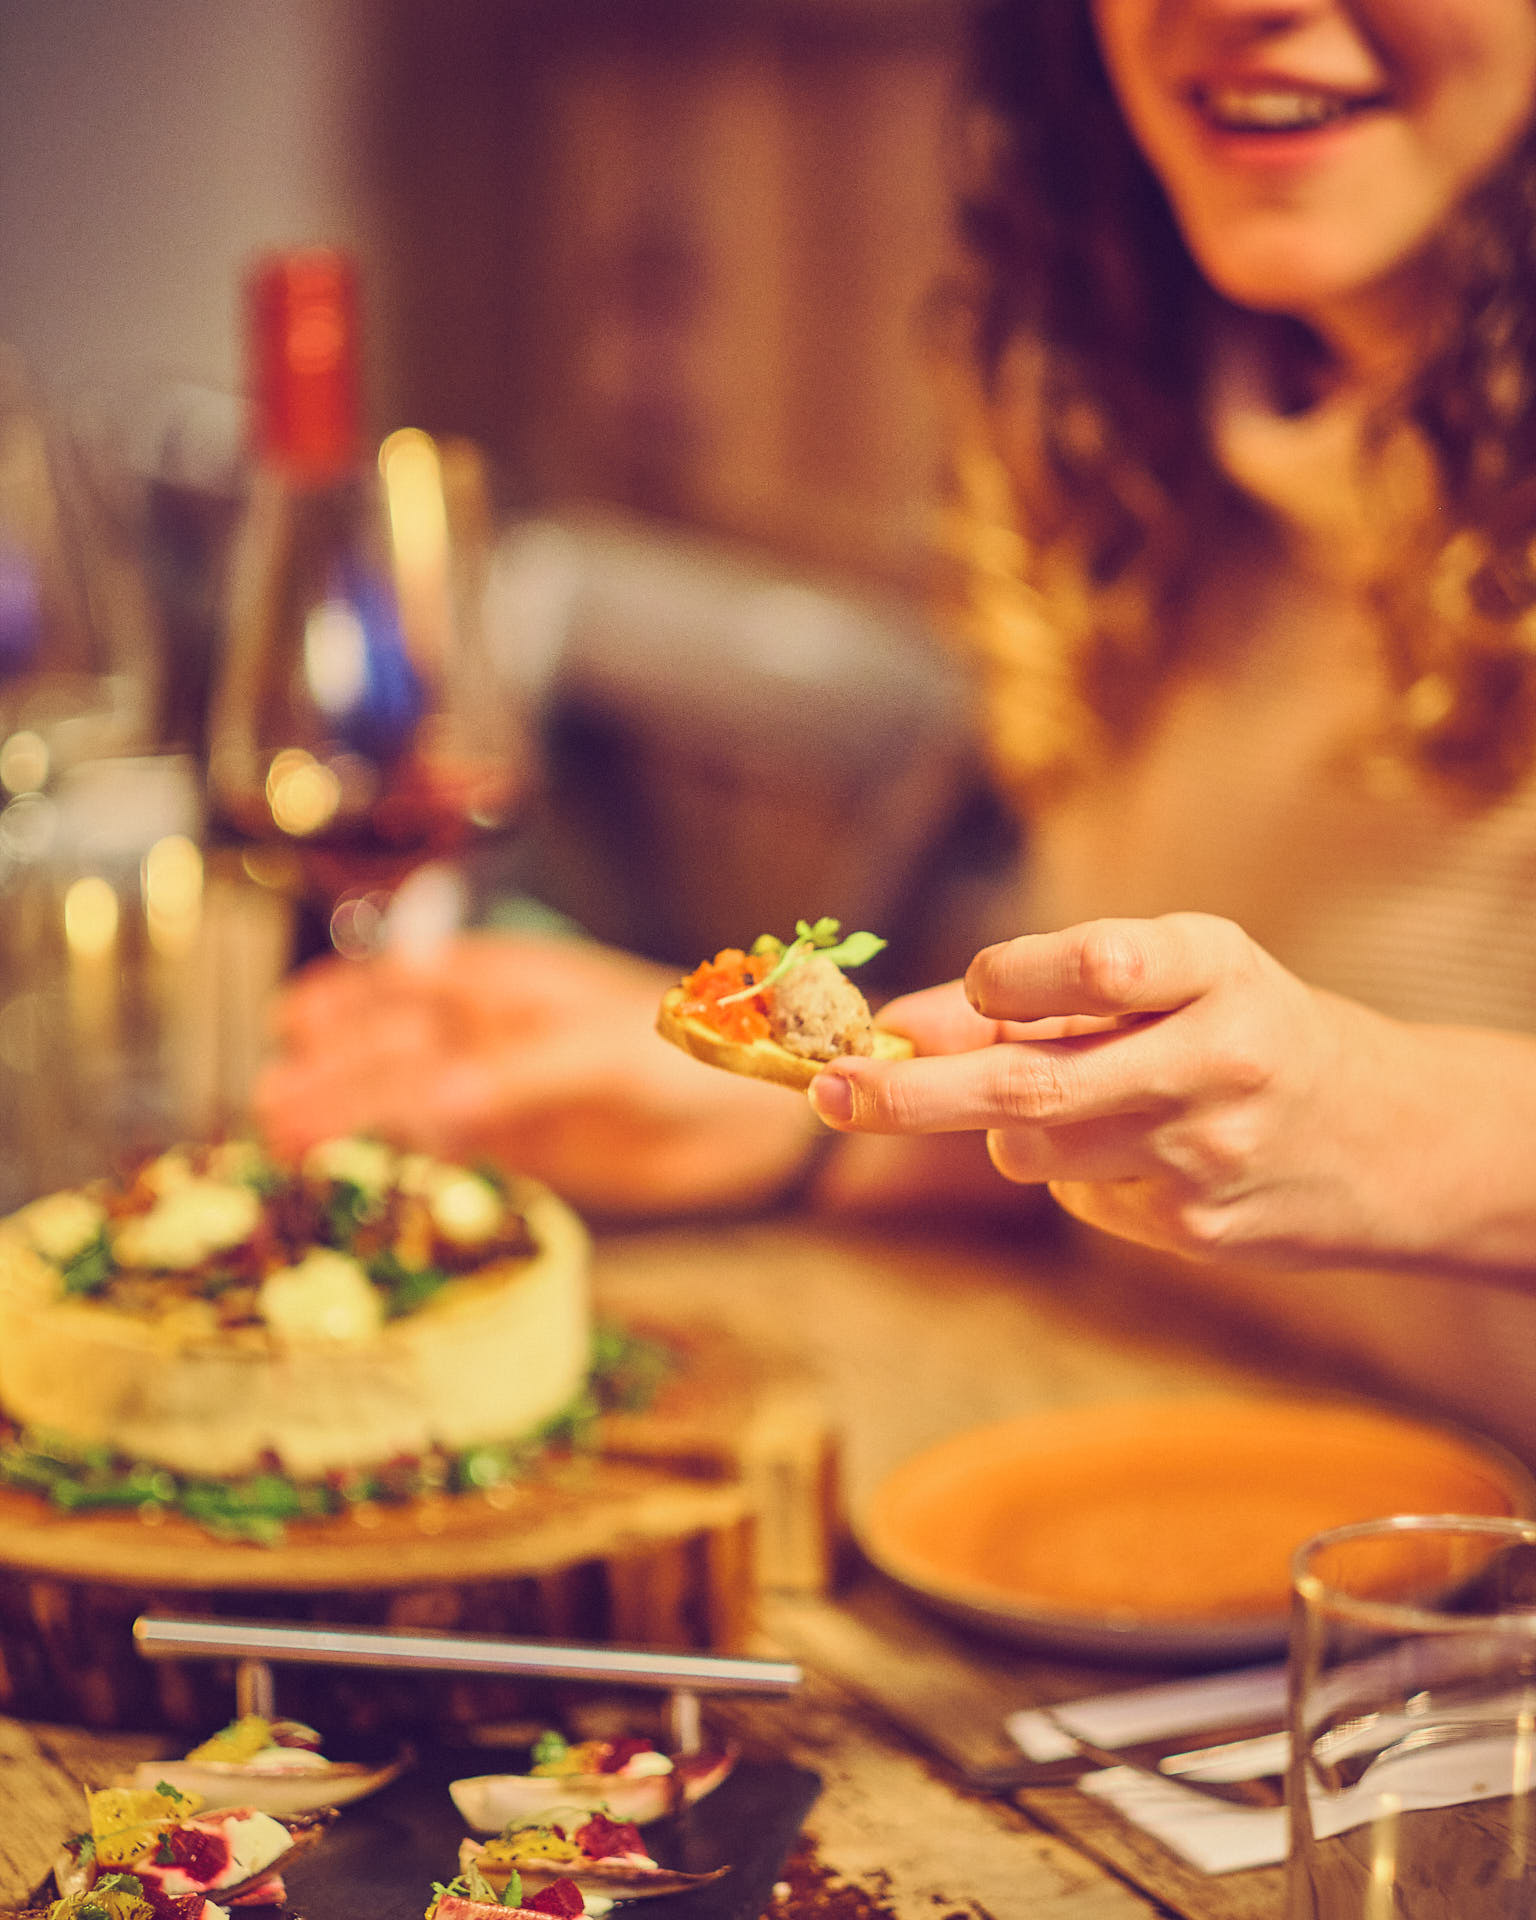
(1285, 654)
(1245, 523)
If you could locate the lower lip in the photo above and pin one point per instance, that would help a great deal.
(1280, 152)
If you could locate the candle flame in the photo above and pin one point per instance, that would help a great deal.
(172, 883)
(302, 793)
(418, 524)
(90, 917)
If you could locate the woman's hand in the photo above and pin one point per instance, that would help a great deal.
(1172, 1084)
(539, 1054)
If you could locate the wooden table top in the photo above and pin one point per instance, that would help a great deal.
(912, 1335)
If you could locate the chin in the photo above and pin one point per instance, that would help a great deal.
(1302, 281)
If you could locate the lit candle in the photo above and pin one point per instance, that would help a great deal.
(418, 529)
(172, 882)
(91, 937)
(171, 888)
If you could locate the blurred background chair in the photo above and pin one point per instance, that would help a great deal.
(732, 744)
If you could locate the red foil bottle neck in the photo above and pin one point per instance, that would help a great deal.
(302, 329)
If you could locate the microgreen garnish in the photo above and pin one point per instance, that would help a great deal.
(347, 1206)
(404, 1288)
(628, 1369)
(116, 1896)
(81, 1477)
(90, 1268)
(266, 1179)
(477, 1887)
(494, 1176)
(820, 936)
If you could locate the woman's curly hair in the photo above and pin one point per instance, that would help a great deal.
(1084, 322)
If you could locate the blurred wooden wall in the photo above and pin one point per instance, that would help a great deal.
(671, 255)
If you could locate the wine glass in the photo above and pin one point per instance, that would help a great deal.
(80, 652)
(163, 452)
(358, 727)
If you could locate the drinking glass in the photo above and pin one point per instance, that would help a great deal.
(80, 653)
(128, 1010)
(1412, 1788)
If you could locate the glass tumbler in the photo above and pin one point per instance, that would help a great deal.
(1412, 1788)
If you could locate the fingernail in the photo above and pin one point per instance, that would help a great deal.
(832, 1097)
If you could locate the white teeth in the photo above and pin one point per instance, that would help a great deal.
(1272, 109)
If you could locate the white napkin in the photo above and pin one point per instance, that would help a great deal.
(1209, 1835)
(1484, 1759)
(1212, 1837)
(1206, 1703)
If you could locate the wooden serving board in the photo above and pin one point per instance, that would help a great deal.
(572, 1510)
(753, 1416)
(652, 1541)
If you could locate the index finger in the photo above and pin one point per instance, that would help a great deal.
(1105, 968)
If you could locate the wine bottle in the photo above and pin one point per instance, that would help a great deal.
(356, 724)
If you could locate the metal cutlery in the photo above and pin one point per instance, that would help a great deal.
(1158, 1760)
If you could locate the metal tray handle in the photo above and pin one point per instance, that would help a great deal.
(257, 1645)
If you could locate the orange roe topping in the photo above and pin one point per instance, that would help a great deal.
(728, 973)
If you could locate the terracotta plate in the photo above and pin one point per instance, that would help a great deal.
(1161, 1530)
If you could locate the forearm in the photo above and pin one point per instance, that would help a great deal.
(1449, 1148)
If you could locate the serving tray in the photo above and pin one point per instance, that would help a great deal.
(380, 1860)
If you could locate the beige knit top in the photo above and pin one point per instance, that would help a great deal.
(1247, 797)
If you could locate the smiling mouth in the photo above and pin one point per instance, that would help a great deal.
(1277, 109)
